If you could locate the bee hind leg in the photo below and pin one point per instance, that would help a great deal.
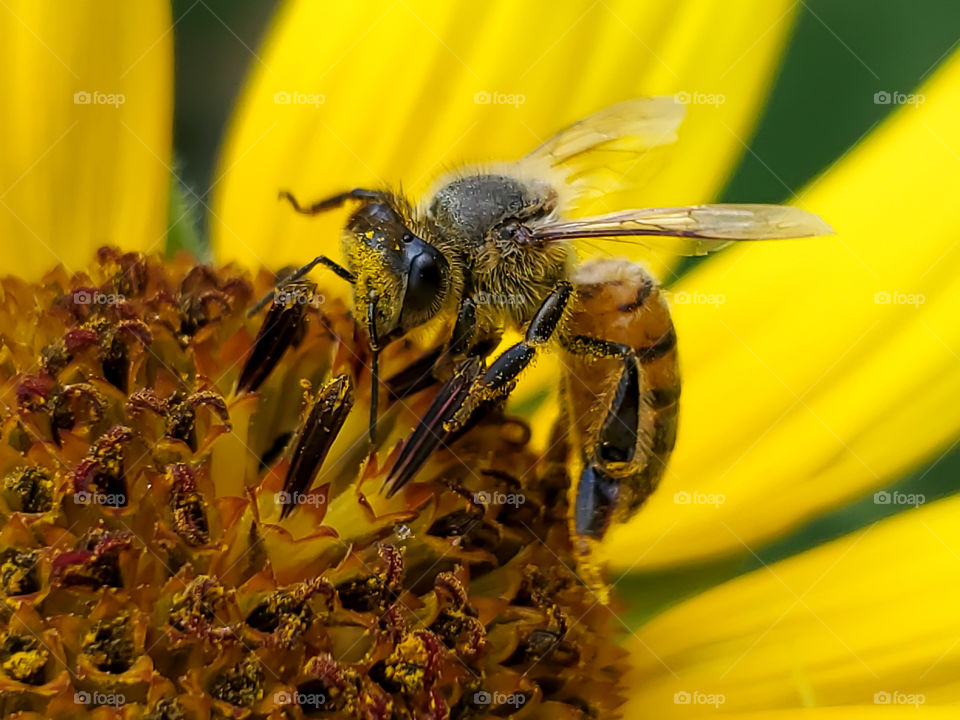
(613, 449)
(596, 499)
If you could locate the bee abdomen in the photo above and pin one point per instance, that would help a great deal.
(659, 348)
(662, 442)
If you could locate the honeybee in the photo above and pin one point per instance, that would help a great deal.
(492, 247)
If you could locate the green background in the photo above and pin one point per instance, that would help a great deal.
(840, 54)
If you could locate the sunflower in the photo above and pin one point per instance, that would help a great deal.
(816, 373)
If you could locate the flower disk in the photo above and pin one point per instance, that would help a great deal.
(193, 526)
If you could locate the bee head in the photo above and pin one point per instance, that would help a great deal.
(404, 276)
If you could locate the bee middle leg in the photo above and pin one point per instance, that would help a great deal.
(501, 377)
(472, 391)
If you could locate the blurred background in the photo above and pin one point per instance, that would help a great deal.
(815, 114)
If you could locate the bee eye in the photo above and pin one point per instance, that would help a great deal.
(424, 282)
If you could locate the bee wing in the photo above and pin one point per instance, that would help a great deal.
(692, 230)
(596, 154)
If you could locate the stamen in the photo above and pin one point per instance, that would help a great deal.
(315, 438)
(282, 328)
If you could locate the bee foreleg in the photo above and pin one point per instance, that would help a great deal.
(435, 365)
(468, 394)
(423, 372)
(417, 376)
(337, 268)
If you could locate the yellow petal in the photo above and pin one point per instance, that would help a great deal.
(349, 94)
(862, 620)
(849, 712)
(87, 89)
(818, 370)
